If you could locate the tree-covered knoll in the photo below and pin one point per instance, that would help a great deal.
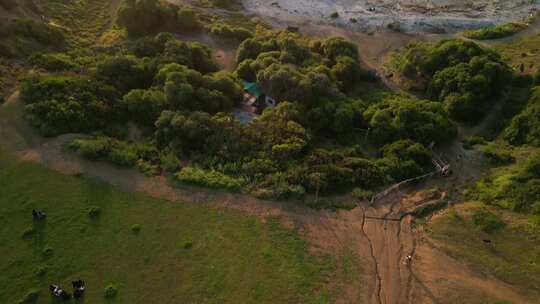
(315, 141)
(467, 78)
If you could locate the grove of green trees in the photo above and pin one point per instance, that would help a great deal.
(323, 136)
(467, 78)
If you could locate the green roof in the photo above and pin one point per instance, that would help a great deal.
(252, 88)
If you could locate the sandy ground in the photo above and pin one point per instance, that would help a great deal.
(411, 15)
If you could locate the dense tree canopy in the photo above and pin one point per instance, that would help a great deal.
(466, 77)
(408, 118)
(142, 17)
(312, 141)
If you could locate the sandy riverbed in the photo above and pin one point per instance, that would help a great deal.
(413, 16)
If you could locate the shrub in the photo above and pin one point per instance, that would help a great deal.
(94, 212)
(123, 155)
(495, 32)
(110, 291)
(58, 104)
(188, 20)
(91, 148)
(211, 179)
(229, 32)
(47, 252)
(487, 221)
(188, 245)
(170, 162)
(136, 228)
(115, 151)
(497, 156)
(334, 15)
(362, 194)
(408, 118)
(53, 62)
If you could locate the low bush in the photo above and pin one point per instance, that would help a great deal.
(495, 32)
(110, 291)
(211, 179)
(230, 32)
(47, 252)
(498, 156)
(53, 62)
(118, 152)
(362, 194)
(487, 221)
(91, 148)
(136, 228)
(94, 212)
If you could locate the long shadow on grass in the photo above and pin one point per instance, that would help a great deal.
(39, 228)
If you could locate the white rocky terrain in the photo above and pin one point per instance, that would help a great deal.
(407, 15)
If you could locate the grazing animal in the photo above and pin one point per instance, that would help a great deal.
(78, 289)
(58, 292)
(38, 215)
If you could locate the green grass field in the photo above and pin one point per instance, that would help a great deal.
(152, 251)
(514, 252)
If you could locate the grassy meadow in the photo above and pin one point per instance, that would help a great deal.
(145, 249)
(513, 254)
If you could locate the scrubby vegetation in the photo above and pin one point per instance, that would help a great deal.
(147, 17)
(515, 188)
(22, 36)
(174, 92)
(525, 127)
(495, 32)
(467, 78)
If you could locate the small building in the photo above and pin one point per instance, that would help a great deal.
(255, 97)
